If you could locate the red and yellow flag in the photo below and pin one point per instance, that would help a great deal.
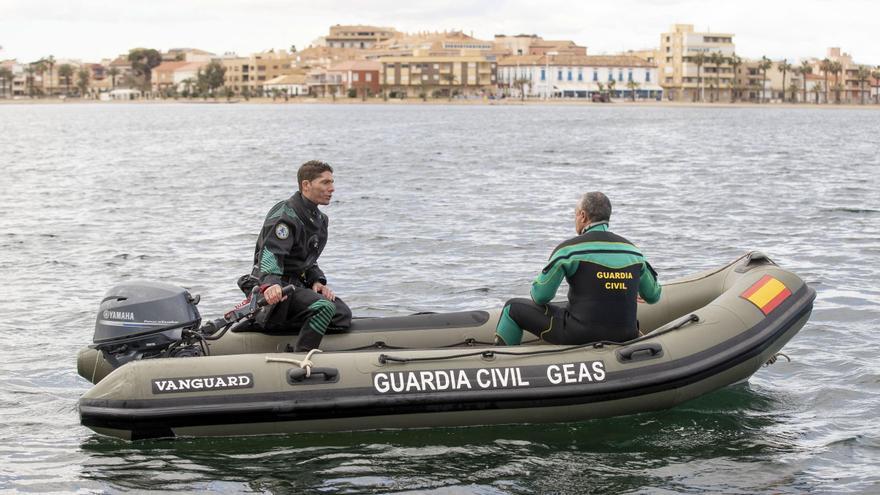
(766, 294)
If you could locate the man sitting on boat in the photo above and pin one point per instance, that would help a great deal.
(606, 274)
(291, 240)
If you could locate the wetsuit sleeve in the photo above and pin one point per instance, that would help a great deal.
(315, 274)
(649, 288)
(278, 236)
(547, 282)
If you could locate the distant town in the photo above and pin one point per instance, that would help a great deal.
(369, 63)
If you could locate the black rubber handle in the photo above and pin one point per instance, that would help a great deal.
(640, 351)
(286, 291)
(299, 374)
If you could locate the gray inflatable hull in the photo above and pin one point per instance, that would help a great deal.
(707, 331)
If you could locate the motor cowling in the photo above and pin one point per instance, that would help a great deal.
(143, 319)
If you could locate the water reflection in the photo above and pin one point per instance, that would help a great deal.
(615, 454)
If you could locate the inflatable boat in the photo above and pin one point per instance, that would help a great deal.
(167, 374)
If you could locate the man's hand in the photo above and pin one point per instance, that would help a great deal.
(273, 294)
(324, 291)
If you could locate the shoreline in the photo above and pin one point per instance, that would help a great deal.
(441, 102)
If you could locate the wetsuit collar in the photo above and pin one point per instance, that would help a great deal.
(596, 226)
(306, 202)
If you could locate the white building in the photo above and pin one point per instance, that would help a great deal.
(187, 73)
(567, 76)
(293, 85)
(121, 94)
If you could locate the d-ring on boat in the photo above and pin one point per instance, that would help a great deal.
(158, 373)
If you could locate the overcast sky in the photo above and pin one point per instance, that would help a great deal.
(92, 30)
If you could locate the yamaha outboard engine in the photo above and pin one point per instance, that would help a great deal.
(139, 320)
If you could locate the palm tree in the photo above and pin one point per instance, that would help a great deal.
(838, 88)
(66, 72)
(764, 65)
(113, 72)
(735, 62)
(611, 85)
(836, 69)
(876, 75)
(716, 59)
(83, 81)
(50, 64)
(864, 74)
(30, 70)
(188, 84)
(520, 84)
(41, 67)
(817, 88)
(825, 67)
(803, 70)
(450, 79)
(699, 59)
(632, 86)
(784, 67)
(6, 77)
(793, 89)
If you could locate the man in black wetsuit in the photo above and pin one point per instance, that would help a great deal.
(291, 240)
(605, 272)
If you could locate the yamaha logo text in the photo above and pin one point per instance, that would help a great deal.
(119, 315)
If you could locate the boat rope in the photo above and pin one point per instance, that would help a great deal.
(488, 354)
(305, 364)
(776, 356)
(468, 342)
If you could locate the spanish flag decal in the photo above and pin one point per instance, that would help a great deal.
(766, 294)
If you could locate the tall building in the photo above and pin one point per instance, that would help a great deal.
(848, 87)
(687, 70)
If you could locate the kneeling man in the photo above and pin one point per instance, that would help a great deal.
(606, 274)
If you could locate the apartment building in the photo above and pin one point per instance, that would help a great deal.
(360, 77)
(251, 72)
(175, 75)
(17, 86)
(438, 76)
(578, 76)
(753, 83)
(687, 67)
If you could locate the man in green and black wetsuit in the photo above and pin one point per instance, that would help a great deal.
(292, 238)
(605, 273)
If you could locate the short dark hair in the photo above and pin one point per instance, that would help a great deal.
(310, 171)
(597, 206)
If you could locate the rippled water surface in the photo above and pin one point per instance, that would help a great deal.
(444, 208)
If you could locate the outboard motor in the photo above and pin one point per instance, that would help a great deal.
(140, 320)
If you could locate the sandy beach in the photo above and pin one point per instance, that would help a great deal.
(436, 101)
